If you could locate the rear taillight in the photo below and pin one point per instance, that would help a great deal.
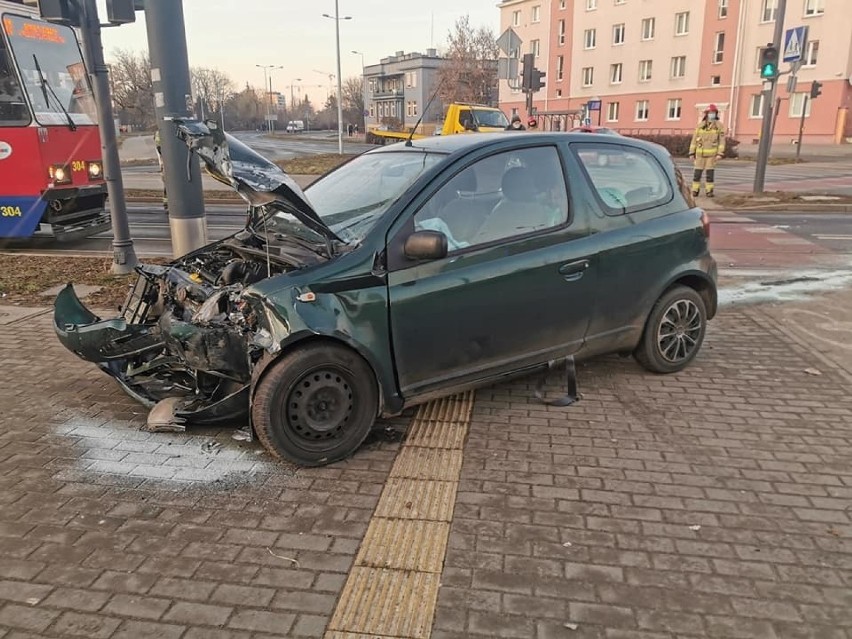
(705, 224)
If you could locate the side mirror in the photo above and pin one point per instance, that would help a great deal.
(426, 245)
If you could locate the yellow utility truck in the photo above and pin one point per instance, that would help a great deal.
(461, 117)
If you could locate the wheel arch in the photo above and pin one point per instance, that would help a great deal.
(306, 339)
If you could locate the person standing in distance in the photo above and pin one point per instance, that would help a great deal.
(707, 147)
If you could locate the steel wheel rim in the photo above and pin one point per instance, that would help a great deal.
(678, 331)
(320, 405)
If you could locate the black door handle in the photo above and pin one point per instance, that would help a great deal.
(573, 271)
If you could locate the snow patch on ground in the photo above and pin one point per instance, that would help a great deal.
(118, 448)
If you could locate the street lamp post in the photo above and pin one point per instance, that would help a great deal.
(337, 20)
(363, 89)
(267, 88)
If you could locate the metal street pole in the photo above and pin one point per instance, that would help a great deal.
(802, 126)
(768, 106)
(265, 81)
(123, 255)
(173, 99)
(339, 83)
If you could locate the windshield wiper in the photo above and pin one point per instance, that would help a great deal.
(45, 87)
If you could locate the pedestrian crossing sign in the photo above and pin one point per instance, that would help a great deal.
(794, 43)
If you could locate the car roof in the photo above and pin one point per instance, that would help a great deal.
(469, 141)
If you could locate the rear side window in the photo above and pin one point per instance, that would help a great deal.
(626, 179)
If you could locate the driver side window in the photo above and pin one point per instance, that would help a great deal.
(499, 197)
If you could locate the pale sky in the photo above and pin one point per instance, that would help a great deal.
(235, 35)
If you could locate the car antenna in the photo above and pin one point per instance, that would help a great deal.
(428, 104)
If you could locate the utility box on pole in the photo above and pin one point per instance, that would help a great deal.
(173, 99)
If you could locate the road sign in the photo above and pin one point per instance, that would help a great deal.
(795, 40)
(593, 105)
(509, 41)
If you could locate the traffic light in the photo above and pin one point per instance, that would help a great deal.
(816, 90)
(537, 79)
(769, 62)
(527, 75)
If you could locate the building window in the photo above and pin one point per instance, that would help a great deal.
(616, 73)
(560, 67)
(674, 108)
(612, 112)
(562, 4)
(411, 79)
(682, 23)
(811, 54)
(372, 111)
(642, 111)
(649, 27)
(797, 103)
(590, 38)
(618, 34)
(678, 69)
(645, 69)
(588, 76)
(723, 9)
(715, 80)
(558, 93)
(561, 32)
(814, 7)
(516, 18)
(770, 8)
(756, 106)
(619, 1)
(591, 5)
(719, 48)
(536, 13)
(535, 47)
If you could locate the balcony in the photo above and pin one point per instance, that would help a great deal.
(388, 93)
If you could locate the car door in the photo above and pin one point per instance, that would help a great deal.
(516, 286)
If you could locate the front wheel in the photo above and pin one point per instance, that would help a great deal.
(316, 406)
(674, 331)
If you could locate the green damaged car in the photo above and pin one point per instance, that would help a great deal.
(411, 272)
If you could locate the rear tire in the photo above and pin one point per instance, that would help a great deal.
(674, 331)
(316, 405)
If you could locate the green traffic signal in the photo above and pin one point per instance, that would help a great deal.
(768, 71)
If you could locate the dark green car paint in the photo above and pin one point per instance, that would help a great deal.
(427, 328)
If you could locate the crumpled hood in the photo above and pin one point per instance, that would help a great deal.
(258, 181)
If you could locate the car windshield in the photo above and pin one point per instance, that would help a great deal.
(491, 118)
(62, 85)
(351, 199)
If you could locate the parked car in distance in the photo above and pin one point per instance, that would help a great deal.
(411, 272)
(592, 128)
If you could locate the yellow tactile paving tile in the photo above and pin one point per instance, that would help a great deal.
(416, 499)
(391, 603)
(436, 434)
(448, 409)
(404, 544)
(414, 462)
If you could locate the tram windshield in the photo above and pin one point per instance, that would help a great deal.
(52, 70)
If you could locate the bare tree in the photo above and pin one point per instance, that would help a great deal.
(353, 100)
(211, 87)
(245, 109)
(470, 71)
(132, 88)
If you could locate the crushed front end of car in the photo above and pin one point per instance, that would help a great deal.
(191, 332)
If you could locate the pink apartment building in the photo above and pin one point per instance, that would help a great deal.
(656, 64)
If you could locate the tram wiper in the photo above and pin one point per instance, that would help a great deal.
(45, 87)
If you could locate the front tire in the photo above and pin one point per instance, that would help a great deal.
(316, 405)
(674, 332)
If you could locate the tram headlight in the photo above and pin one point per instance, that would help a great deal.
(60, 174)
(96, 170)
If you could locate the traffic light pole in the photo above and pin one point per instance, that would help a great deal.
(768, 105)
(123, 254)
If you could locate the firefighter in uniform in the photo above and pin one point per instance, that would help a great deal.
(160, 162)
(708, 146)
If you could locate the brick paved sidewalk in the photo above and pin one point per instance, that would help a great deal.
(712, 503)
